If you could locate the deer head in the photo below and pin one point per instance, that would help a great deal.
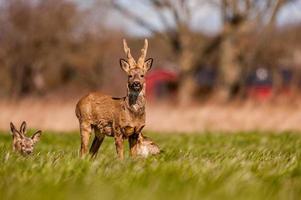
(21, 143)
(136, 70)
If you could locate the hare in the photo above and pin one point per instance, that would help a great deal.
(145, 147)
(21, 143)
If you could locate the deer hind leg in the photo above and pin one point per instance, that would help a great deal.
(85, 132)
(98, 139)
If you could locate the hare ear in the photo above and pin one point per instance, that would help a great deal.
(140, 137)
(36, 137)
(23, 127)
(14, 131)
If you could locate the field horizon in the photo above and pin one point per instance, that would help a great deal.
(59, 116)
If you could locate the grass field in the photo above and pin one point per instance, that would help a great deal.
(193, 166)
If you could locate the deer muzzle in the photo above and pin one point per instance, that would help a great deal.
(136, 86)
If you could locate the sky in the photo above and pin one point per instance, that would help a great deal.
(207, 19)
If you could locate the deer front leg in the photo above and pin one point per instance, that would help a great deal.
(119, 146)
(85, 132)
(134, 139)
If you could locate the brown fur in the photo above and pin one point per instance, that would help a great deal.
(121, 118)
(21, 143)
(144, 146)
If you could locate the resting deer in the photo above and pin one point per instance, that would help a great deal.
(21, 143)
(121, 118)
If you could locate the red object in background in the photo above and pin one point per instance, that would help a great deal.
(260, 92)
(157, 77)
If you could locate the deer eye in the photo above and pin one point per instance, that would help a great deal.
(142, 76)
(131, 76)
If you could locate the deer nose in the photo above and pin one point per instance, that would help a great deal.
(136, 84)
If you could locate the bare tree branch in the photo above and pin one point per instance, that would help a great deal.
(275, 10)
(138, 20)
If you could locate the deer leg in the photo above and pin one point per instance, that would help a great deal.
(119, 146)
(133, 141)
(98, 139)
(85, 132)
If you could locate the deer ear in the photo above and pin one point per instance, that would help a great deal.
(36, 137)
(148, 64)
(14, 131)
(124, 65)
(23, 127)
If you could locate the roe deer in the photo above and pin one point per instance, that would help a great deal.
(121, 118)
(21, 143)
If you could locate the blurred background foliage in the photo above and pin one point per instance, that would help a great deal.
(70, 47)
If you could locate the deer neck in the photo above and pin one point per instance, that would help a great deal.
(135, 101)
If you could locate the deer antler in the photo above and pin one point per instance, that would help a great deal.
(143, 53)
(127, 51)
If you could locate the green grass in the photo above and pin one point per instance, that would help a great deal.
(195, 166)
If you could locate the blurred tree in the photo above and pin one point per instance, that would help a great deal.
(239, 17)
(46, 44)
(35, 36)
(175, 17)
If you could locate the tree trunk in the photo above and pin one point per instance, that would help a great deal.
(22, 80)
(186, 89)
(230, 69)
(187, 86)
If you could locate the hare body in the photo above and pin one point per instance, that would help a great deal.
(146, 147)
